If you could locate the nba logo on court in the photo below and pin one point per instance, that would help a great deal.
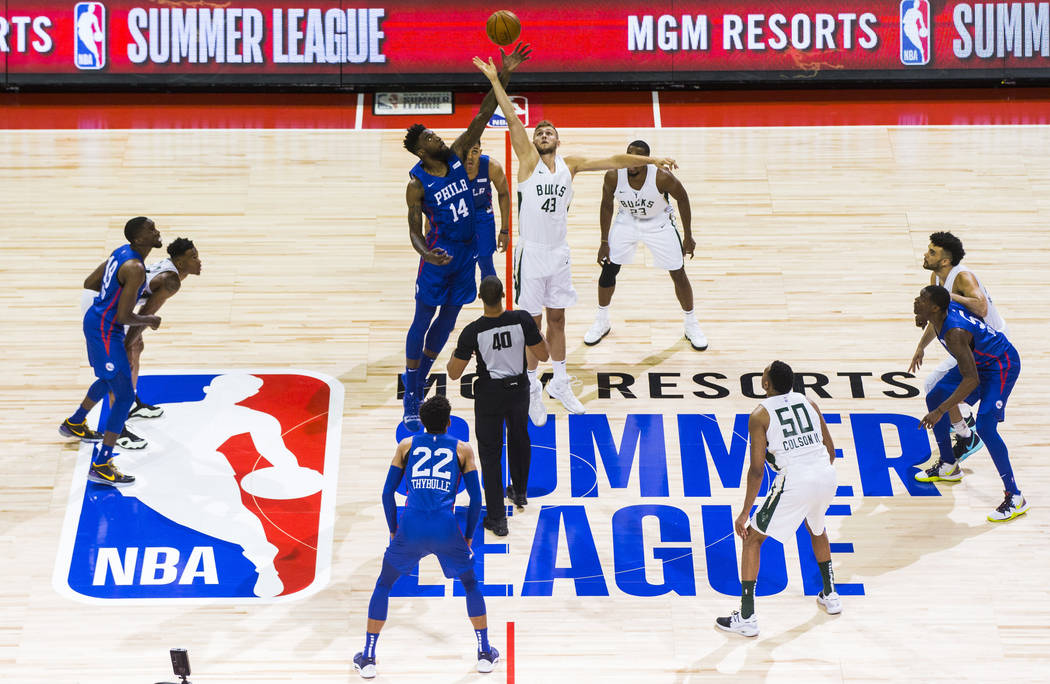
(234, 496)
(89, 37)
(915, 32)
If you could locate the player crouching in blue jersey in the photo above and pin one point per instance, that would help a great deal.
(434, 461)
(988, 367)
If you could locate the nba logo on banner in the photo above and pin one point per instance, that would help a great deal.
(521, 108)
(915, 32)
(89, 38)
(233, 499)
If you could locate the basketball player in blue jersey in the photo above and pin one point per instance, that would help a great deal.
(484, 173)
(439, 187)
(163, 279)
(434, 462)
(988, 367)
(122, 283)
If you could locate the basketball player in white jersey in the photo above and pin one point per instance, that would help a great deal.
(644, 215)
(943, 258)
(163, 279)
(542, 273)
(789, 432)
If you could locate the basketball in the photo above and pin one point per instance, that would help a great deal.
(503, 27)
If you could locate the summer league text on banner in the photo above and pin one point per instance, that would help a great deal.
(406, 42)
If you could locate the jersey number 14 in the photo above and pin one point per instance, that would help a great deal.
(459, 209)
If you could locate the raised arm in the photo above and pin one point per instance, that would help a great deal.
(499, 182)
(524, 150)
(472, 135)
(668, 184)
(605, 215)
(414, 200)
(617, 161)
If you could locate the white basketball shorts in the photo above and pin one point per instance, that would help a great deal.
(661, 238)
(798, 493)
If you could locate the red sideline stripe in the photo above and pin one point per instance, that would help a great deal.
(510, 653)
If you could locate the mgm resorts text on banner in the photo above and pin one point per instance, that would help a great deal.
(412, 43)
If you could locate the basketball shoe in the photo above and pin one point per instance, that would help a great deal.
(598, 330)
(129, 440)
(366, 667)
(695, 335)
(562, 391)
(965, 446)
(107, 473)
(940, 472)
(1011, 507)
(831, 603)
(79, 430)
(410, 403)
(537, 411)
(143, 410)
(487, 659)
(734, 623)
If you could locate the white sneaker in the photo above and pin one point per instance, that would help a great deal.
(1011, 507)
(940, 472)
(537, 411)
(738, 625)
(832, 603)
(695, 335)
(599, 329)
(562, 391)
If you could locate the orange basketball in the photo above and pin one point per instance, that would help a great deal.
(503, 27)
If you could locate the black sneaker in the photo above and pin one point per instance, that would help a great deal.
(107, 473)
(519, 501)
(79, 430)
(498, 527)
(142, 410)
(129, 440)
(964, 446)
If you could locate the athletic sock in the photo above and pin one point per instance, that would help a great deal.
(560, 372)
(533, 376)
(689, 315)
(828, 575)
(78, 416)
(370, 644)
(411, 380)
(483, 638)
(425, 364)
(603, 312)
(747, 599)
(961, 429)
(105, 452)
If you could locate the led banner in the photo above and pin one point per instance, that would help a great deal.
(408, 42)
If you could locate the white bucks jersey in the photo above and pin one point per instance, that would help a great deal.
(543, 204)
(794, 435)
(646, 205)
(154, 270)
(993, 318)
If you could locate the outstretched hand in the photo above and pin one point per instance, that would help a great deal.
(487, 68)
(666, 163)
(514, 60)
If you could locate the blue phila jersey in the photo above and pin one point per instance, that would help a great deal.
(432, 467)
(447, 202)
(988, 343)
(105, 304)
(482, 187)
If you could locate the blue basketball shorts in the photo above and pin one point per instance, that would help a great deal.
(453, 283)
(105, 347)
(423, 533)
(997, 381)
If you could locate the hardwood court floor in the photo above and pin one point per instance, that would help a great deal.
(809, 250)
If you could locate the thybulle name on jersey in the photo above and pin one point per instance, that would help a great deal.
(237, 35)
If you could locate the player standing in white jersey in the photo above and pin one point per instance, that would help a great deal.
(543, 273)
(789, 432)
(645, 215)
(943, 258)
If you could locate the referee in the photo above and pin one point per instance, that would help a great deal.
(501, 394)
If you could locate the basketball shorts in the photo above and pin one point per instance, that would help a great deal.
(485, 225)
(542, 278)
(661, 237)
(996, 384)
(800, 493)
(422, 533)
(455, 282)
(105, 348)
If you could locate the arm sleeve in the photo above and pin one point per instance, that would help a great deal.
(532, 333)
(393, 479)
(474, 512)
(465, 344)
